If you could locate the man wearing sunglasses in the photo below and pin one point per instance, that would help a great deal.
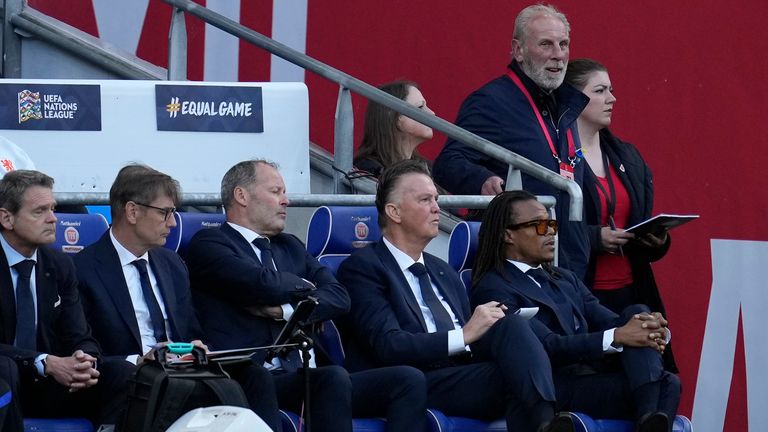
(605, 365)
(136, 293)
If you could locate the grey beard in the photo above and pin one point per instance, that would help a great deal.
(540, 77)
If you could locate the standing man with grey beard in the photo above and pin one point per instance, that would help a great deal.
(529, 111)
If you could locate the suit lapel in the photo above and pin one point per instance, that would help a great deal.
(239, 241)
(110, 271)
(528, 288)
(404, 290)
(8, 305)
(47, 295)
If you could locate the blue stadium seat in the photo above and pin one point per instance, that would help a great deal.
(466, 279)
(57, 425)
(75, 231)
(291, 422)
(585, 423)
(341, 230)
(439, 422)
(187, 225)
(462, 245)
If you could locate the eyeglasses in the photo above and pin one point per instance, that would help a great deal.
(166, 211)
(542, 225)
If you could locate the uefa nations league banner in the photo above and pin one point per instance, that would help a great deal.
(29, 106)
(209, 108)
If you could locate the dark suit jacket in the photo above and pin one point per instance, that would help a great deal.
(108, 305)
(227, 277)
(386, 326)
(563, 343)
(61, 325)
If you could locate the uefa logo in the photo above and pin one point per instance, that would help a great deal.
(71, 235)
(361, 231)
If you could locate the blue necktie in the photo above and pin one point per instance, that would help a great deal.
(155, 313)
(443, 320)
(26, 334)
(266, 252)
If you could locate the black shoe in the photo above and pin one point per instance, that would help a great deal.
(653, 422)
(562, 422)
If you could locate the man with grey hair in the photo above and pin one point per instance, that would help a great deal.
(248, 276)
(529, 111)
(47, 354)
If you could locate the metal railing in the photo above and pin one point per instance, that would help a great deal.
(296, 200)
(343, 148)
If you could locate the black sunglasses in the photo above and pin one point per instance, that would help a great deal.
(166, 211)
(542, 225)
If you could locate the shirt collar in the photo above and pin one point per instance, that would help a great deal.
(523, 267)
(12, 255)
(403, 260)
(247, 233)
(126, 257)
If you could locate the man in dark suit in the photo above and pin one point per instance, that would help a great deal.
(110, 274)
(409, 307)
(605, 365)
(248, 276)
(47, 354)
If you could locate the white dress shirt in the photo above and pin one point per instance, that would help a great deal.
(455, 336)
(140, 308)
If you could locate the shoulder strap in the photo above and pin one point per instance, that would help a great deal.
(170, 409)
(228, 392)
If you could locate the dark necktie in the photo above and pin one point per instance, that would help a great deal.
(565, 310)
(26, 334)
(443, 320)
(266, 251)
(155, 313)
(291, 361)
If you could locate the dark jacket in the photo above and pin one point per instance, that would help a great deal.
(108, 304)
(61, 325)
(637, 178)
(500, 113)
(227, 277)
(386, 326)
(563, 342)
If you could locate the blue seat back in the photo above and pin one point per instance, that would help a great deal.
(462, 245)
(187, 225)
(332, 261)
(57, 425)
(75, 231)
(341, 230)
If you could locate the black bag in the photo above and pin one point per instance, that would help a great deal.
(160, 393)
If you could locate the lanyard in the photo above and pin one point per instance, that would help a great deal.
(610, 199)
(569, 136)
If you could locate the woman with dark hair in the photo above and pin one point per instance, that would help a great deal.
(618, 193)
(390, 137)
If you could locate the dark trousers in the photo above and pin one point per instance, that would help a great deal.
(103, 403)
(330, 396)
(511, 377)
(397, 393)
(631, 385)
(259, 387)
